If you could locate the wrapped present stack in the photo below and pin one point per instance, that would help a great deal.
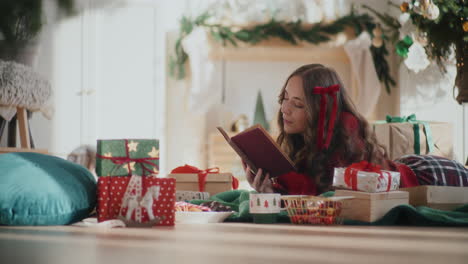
(375, 191)
(407, 135)
(128, 188)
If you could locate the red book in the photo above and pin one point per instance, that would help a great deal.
(259, 150)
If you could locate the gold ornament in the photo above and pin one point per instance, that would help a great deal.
(421, 38)
(377, 42)
(377, 31)
(404, 7)
(465, 26)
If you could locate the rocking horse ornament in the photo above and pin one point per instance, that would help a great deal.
(135, 202)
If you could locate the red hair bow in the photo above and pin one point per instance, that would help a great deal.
(323, 91)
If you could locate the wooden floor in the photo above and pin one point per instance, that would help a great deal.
(233, 243)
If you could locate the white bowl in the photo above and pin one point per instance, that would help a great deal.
(201, 217)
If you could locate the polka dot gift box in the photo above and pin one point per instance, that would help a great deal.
(128, 188)
(136, 200)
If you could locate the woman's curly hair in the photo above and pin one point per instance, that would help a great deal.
(302, 148)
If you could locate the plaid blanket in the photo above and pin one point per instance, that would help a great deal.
(434, 170)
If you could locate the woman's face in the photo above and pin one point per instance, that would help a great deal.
(293, 107)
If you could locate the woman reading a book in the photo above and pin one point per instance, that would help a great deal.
(320, 129)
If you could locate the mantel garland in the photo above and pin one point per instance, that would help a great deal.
(291, 32)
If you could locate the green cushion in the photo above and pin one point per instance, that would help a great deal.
(38, 189)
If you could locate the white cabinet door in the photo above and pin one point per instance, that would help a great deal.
(126, 94)
(59, 60)
(102, 67)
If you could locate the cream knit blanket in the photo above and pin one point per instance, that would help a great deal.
(21, 86)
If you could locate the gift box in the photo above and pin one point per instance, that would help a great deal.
(125, 157)
(213, 183)
(191, 195)
(137, 200)
(366, 177)
(370, 207)
(438, 197)
(406, 135)
(190, 178)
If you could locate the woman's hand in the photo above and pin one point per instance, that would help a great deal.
(261, 183)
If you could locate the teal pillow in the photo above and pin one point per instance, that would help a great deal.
(38, 189)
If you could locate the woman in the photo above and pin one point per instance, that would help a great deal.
(320, 129)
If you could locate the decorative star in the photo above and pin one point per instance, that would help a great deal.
(108, 154)
(132, 146)
(132, 166)
(154, 153)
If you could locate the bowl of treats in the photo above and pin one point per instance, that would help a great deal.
(208, 212)
(314, 210)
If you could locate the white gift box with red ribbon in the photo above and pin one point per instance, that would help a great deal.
(366, 177)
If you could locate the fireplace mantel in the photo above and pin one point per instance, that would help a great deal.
(277, 50)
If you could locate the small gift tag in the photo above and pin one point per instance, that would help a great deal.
(191, 195)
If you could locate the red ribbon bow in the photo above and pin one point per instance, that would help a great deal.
(323, 91)
(202, 174)
(351, 172)
(126, 160)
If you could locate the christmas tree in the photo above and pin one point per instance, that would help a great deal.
(259, 116)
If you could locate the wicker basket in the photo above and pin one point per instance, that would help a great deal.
(313, 210)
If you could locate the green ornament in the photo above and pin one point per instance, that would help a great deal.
(403, 45)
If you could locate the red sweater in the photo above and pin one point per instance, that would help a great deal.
(296, 183)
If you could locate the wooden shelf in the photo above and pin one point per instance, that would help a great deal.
(278, 50)
(220, 154)
(8, 150)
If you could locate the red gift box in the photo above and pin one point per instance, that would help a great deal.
(137, 200)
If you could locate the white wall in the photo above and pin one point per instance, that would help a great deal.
(429, 94)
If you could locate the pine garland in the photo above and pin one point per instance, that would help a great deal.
(292, 32)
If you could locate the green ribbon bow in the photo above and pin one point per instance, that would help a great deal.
(417, 141)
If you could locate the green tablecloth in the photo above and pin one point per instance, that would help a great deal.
(406, 215)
